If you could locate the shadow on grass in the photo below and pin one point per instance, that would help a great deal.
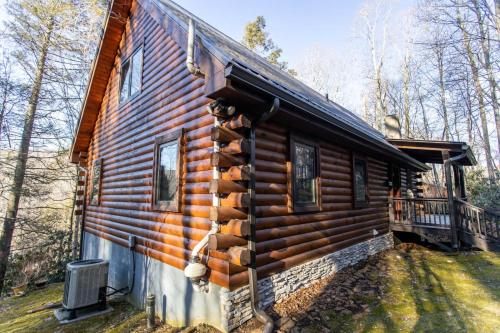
(434, 306)
(481, 267)
(409, 289)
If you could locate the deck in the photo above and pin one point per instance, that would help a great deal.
(430, 218)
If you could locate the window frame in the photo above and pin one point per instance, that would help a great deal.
(174, 205)
(97, 162)
(293, 205)
(139, 48)
(359, 203)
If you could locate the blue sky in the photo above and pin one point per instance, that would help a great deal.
(295, 26)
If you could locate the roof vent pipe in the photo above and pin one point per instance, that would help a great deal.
(190, 64)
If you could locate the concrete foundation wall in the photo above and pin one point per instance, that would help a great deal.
(176, 301)
(276, 287)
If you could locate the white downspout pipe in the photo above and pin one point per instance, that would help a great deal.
(196, 270)
(190, 62)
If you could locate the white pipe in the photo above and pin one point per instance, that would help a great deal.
(204, 241)
(196, 269)
(215, 202)
(190, 64)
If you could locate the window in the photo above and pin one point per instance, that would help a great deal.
(167, 169)
(360, 182)
(305, 175)
(131, 76)
(95, 191)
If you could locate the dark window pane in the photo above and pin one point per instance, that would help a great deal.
(305, 174)
(360, 180)
(135, 81)
(96, 183)
(125, 82)
(167, 173)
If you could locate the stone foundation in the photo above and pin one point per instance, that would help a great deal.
(236, 304)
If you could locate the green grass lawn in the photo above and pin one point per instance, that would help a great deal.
(14, 316)
(430, 291)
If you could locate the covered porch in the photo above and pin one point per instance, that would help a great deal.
(448, 219)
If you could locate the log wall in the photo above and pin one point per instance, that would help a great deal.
(171, 98)
(286, 239)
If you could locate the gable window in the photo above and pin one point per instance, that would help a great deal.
(360, 181)
(167, 166)
(305, 175)
(95, 191)
(131, 76)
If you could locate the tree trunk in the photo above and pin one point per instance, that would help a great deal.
(497, 15)
(72, 226)
(442, 91)
(487, 64)
(424, 115)
(480, 97)
(2, 112)
(22, 158)
(406, 95)
(435, 174)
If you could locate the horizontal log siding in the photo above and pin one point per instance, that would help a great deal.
(285, 239)
(171, 98)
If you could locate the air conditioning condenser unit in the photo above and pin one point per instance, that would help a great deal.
(84, 288)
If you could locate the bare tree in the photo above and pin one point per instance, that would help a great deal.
(12, 94)
(376, 20)
(53, 42)
(485, 47)
(22, 156)
(479, 92)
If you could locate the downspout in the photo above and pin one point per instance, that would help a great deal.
(196, 270)
(449, 188)
(260, 314)
(82, 217)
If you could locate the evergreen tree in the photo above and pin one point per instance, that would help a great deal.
(257, 39)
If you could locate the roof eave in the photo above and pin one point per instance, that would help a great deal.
(470, 155)
(118, 8)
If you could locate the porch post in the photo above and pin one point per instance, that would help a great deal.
(451, 204)
(456, 179)
(462, 183)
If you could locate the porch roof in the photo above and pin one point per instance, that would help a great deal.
(431, 151)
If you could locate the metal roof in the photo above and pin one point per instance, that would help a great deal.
(430, 151)
(234, 54)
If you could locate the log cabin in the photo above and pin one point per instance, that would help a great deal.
(215, 181)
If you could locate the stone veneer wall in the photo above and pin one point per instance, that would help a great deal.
(235, 304)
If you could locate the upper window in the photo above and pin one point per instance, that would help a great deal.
(305, 169)
(131, 76)
(167, 172)
(360, 181)
(95, 192)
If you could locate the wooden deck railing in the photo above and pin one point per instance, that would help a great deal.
(477, 221)
(422, 211)
(475, 226)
